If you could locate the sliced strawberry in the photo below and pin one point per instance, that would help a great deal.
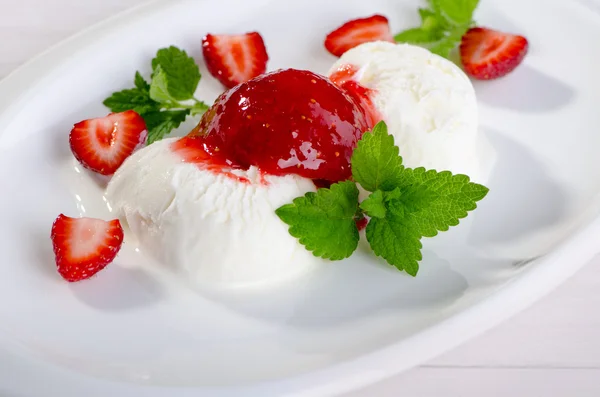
(356, 32)
(84, 246)
(234, 59)
(488, 54)
(103, 144)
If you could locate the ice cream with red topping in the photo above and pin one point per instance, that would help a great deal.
(210, 223)
(285, 122)
(204, 205)
(427, 101)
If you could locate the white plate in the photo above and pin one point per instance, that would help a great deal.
(133, 331)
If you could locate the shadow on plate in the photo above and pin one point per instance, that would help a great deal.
(118, 289)
(523, 198)
(347, 291)
(43, 254)
(524, 90)
(5, 393)
(114, 289)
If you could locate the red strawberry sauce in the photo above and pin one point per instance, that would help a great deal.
(284, 122)
(344, 78)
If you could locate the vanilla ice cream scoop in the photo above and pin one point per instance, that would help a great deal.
(218, 228)
(427, 102)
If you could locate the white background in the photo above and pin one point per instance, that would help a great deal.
(550, 350)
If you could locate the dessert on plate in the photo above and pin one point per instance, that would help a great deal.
(428, 103)
(286, 166)
(205, 204)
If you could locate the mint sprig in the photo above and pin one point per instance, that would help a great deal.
(458, 12)
(161, 123)
(404, 205)
(324, 221)
(442, 25)
(376, 163)
(438, 200)
(181, 74)
(393, 239)
(168, 99)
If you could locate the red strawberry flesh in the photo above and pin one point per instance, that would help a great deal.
(234, 59)
(344, 78)
(356, 32)
(103, 144)
(84, 246)
(488, 54)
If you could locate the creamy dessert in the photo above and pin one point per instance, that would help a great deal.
(205, 205)
(427, 102)
(210, 227)
(268, 185)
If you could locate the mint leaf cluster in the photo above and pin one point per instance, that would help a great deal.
(324, 221)
(442, 25)
(404, 206)
(168, 99)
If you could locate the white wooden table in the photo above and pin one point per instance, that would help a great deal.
(550, 350)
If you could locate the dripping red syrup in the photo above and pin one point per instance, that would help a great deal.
(190, 152)
(284, 122)
(345, 78)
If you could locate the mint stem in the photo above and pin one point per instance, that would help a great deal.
(178, 105)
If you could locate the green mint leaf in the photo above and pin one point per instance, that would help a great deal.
(433, 26)
(131, 99)
(375, 161)
(459, 12)
(159, 87)
(140, 82)
(393, 239)
(160, 91)
(374, 205)
(324, 221)
(160, 124)
(433, 201)
(435, 6)
(442, 25)
(418, 36)
(199, 108)
(181, 73)
(413, 198)
(426, 12)
(449, 41)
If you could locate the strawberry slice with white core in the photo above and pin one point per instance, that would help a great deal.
(84, 246)
(488, 54)
(234, 59)
(102, 144)
(356, 32)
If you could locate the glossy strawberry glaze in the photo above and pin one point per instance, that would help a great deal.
(190, 152)
(284, 122)
(343, 74)
(344, 78)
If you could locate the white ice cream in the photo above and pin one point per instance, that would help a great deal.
(207, 226)
(214, 229)
(428, 104)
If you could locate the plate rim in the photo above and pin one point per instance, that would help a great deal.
(542, 276)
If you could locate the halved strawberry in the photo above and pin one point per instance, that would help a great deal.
(103, 144)
(356, 32)
(488, 54)
(84, 246)
(234, 59)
